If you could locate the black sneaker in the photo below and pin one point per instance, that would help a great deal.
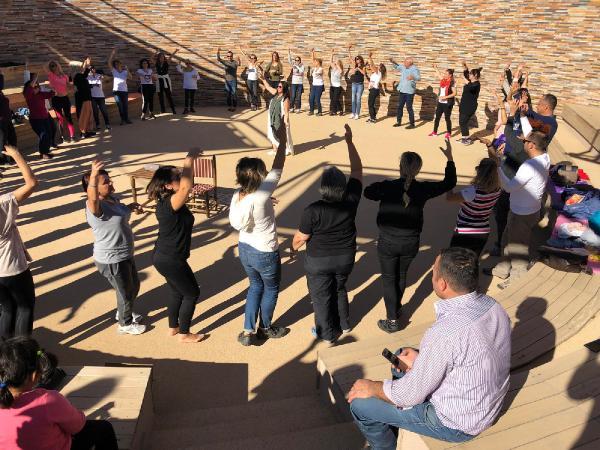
(107, 127)
(411, 126)
(272, 332)
(128, 122)
(397, 124)
(185, 111)
(192, 110)
(389, 326)
(246, 339)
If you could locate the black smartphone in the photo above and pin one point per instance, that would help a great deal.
(594, 346)
(396, 362)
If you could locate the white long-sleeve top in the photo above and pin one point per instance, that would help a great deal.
(528, 185)
(190, 77)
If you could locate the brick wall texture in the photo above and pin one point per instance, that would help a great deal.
(558, 40)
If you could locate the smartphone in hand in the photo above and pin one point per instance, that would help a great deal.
(396, 362)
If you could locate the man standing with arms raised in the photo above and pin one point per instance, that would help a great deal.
(409, 75)
(231, 67)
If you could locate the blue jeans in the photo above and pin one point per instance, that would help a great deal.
(231, 88)
(379, 421)
(357, 92)
(121, 99)
(264, 272)
(406, 99)
(296, 95)
(314, 99)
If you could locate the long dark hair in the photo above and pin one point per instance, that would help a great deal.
(249, 173)
(20, 357)
(157, 188)
(285, 89)
(476, 72)
(362, 61)
(146, 60)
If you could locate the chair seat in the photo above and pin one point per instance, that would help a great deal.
(200, 189)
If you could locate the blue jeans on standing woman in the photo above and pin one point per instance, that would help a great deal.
(296, 95)
(314, 98)
(357, 92)
(264, 272)
(379, 421)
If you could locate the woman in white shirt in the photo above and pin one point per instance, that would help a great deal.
(317, 86)
(147, 79)
(190, 85)
(252, 69)
(17, 292)
(252, 214)
(297, 81)
(376, 78)
(98, 102)
(120, 75)
(336, 71)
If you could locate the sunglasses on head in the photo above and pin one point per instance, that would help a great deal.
(297, 59)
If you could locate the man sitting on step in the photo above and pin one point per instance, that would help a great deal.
(454, 385)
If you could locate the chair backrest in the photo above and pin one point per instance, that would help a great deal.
(206, 167)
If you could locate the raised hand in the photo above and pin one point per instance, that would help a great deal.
(194, 152)
(97, 166)
(11, 150)
(448, 150)
(348, 134)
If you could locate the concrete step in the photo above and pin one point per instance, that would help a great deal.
(207, 416)
(585, 120)
(341, 436)
(261, 421)
(567, 141)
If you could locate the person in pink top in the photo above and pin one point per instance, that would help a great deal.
(59, 82)
(39, 119)
(39, 419)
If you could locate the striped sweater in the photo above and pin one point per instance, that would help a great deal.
(474, 214)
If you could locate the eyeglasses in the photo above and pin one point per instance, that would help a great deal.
(280, 87)
(297, 59)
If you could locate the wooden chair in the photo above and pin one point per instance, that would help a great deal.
(205, 183)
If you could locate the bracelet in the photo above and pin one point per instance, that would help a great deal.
(92, 185)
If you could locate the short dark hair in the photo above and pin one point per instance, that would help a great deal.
(333, 185)
(460, 268)
(157, 188)
(551, 100)
(477, 72)
(85, 179)
(249, 173)
(539, 139)
(146, 60)
(19, 358)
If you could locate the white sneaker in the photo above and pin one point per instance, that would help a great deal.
(134, 328)
(271, 152)
(137, 318)
(356, 117)
(288, 153)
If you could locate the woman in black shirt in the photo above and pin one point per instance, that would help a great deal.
(83, 99)
(163, 83)
(468, 101)
(327, 227)
(357, 77)
(400, 222)
(171, 188)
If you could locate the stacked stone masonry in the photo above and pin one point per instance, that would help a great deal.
(559, 41)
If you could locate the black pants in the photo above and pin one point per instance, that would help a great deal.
(464, 116)
(43, 129)
(98, 103)
(148, 98)
(335, 96)
(62, 106)
(189, 95)
(97, 434)
(326, 277)
(475, 242)
(8, 135)
(395, 255)
(446, 109)
(17, 299)
(184, 290)
(252, 86)
(501, 210)
(406, 99)
(373, 94)
(165, 91)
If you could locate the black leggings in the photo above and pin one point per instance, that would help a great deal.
(98, 103)
(501, 209)
(62, 107)
(475, 242)
(148, 98)
(335, 94)
(184, 290)
(464, 115)
(43, 129)
(446, 109)
(165, 91)
(189, 95)
(395, 255)
(97, 434)
(17, 299)
(373, 94)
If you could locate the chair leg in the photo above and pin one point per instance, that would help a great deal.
(207, 198)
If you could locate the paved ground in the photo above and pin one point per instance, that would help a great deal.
(75, 307)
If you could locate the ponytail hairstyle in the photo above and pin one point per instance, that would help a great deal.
(20, 357)
(477, 72)
(157, 188)
(410, 166)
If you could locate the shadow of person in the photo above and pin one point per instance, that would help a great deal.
(393, 99)
(428, 103)
(583, 386)
(530, 319)
(317, 144)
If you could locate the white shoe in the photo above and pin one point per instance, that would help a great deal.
(356, 117)
(134, 328)
(288, 153)
(137, 318)
(271, 152)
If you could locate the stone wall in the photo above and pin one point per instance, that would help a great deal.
(558, 40)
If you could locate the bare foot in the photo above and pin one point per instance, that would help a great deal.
(173, 331)
(190, 338)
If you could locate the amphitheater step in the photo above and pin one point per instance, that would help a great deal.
(341, 436)
(567, 142)
(209, 416)
(262, 423)
(585, 120)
